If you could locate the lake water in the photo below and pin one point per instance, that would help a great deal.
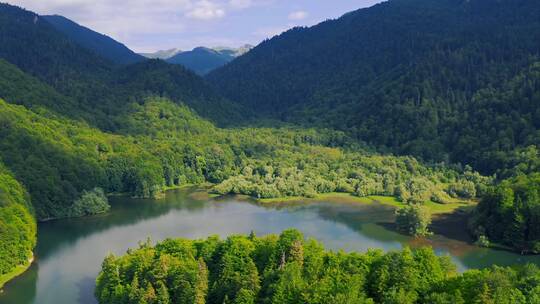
(69, 252)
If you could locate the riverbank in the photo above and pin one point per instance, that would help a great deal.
(434, 208)
(17, 271)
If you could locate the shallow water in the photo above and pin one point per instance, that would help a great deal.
(69, 252)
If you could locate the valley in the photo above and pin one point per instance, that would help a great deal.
(404, 137)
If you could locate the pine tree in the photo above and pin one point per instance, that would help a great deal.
(163, 296)
(484, 296)
(201, 286)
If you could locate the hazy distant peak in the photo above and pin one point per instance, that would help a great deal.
(162, 54)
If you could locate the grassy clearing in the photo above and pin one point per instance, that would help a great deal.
(434, 208)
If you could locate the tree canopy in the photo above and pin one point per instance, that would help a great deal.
(289, 269)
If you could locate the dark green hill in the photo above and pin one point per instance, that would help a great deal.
(32, 44)
(156, 77)
(101, 44)
(82, 84)
(448, 80)
(202, 60)
(23, 89)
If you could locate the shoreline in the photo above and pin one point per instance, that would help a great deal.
(17, 271)
(338, 197)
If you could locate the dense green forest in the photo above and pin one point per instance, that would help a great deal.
(17, 223)
(510, 214)
(288, 269)
(75, 126)
(163, 144)
(95, 85)
(450, 80)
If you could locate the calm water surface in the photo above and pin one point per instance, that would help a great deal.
(69, 252)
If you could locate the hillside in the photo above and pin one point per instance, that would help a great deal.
(450, 80)
(156, 77)
(101, 44)
(17, 225)
(29, 42)
(82, 84)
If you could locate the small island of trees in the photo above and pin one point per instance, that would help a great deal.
(289, 269)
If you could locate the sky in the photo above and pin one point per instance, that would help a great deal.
(151, 25)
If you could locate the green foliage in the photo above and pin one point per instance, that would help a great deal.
(510, 214)
(164, 144)
(288, 269)
(56, 159)
(410, 81)
(414, 220)
(96, 89)
(52, 145)
(17, 224)
(91, 202)
(288, 172)
(482, 241)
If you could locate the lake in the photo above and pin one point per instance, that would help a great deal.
(69, 252)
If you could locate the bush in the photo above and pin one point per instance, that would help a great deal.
(463, 189)
(413, 220)
(91, 202)
(482, 241)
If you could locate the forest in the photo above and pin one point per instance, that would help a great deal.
(289, 269)
(510, 214)
(17, 224)
(425, 114)
(453, 81)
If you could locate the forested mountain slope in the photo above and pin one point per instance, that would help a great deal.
(449, 80)
(158, 78)
(17, 223)
(91, 83)
(32, 44)
(21, 88)
(101, 44)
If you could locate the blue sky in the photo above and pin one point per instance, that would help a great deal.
(151, 25)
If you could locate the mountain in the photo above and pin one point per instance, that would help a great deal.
(156, 77)
(162, 54)
(234, 52)
(86, 85)
(449, 80)
(202, 60)
(101, 44)
(31, 43)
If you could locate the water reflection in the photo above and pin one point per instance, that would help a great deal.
(69, 252)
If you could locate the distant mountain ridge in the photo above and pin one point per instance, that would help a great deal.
(101, 44)
(162, 54)
(201, 60)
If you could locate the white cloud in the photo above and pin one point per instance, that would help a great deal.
(240, 4)
(206, 10)
(298, 15)
(269, 32)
